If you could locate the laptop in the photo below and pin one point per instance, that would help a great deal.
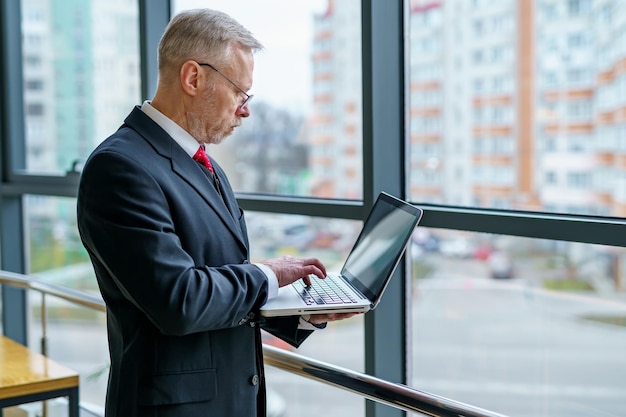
(366, 272)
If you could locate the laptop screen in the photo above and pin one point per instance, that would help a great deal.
(380, 245)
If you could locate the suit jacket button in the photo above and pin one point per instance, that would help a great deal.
(254, 380)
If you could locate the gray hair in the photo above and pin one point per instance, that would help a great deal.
(202, 34)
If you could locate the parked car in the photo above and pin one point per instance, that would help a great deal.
(426, 241)
(483, 252)
(456, 248)
(500, 265)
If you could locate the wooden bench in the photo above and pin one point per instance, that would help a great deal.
(26, 376)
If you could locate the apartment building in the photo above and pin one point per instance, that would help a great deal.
(507, 108)
(72, 94)
(512, 104)
(335, 136)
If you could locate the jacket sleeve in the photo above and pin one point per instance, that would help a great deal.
(286, 328)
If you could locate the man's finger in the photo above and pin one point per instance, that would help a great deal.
(307, 280)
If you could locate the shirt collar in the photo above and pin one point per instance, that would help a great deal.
(180, 135)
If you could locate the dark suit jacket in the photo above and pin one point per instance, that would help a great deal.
(172, 263)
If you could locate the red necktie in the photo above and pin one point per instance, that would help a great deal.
(202, 158)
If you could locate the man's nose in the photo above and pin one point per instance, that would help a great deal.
(243, 111)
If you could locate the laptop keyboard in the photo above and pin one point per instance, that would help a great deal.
(323, 291)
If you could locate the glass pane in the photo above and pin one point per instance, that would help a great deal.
(56, 253)
(293, 395)
(273, 235)
(304, 135)
(81, 77)
(75, 335)
(341, 343)
(76, 338)
(518, 104)
(519, 326)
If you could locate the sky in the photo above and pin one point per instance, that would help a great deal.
(282, 74)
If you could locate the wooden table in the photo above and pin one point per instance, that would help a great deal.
(26, 376)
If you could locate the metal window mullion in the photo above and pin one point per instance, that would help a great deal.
(552, 226)
(12, 137)
(336, 209)
(50, 185)
(384, 170)
(154, 16)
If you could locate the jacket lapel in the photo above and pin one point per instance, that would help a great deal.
(189, 170)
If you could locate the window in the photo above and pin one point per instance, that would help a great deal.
(309, 82)
(274, 235)
(496, 326)
(578, 7)
(579, 179)
(536, 102)
(577, 40)
(34, 109)
(579, 110)
(34, 85)
(64, 47)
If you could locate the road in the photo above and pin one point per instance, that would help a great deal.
(511, 347)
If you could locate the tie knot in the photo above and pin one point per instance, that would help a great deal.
(202, 158)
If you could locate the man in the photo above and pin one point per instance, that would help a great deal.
(168, 241)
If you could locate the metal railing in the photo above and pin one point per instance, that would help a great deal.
(396, 395)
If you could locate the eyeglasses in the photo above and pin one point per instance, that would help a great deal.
(248, 96)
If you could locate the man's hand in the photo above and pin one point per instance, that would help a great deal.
(289, 269)
(324, 318)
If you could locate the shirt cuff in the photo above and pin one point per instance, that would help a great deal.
(272, 280)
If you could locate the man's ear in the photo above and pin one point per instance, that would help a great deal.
(190, 77)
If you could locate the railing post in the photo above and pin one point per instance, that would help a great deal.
(44, 341)
(44, 344)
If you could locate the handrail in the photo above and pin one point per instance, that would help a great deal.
(396, 395)
(69, 294)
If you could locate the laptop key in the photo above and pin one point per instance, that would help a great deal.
(324, 292)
